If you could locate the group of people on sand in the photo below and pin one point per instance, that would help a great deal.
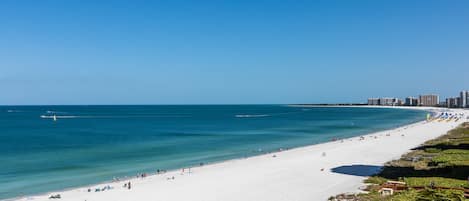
(56, 196)
(142, 175)
(108, 187)
(128, 185)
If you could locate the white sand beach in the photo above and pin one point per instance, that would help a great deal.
(309, 173)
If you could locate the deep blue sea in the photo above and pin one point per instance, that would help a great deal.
(91, 144)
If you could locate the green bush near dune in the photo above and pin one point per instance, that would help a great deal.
(432, 150)
(439, 195)
(437, 181)
(375, 180)
(457, 159)
(422, 181)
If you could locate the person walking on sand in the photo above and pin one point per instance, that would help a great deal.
(128, 186)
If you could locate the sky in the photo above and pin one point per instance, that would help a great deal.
(230, 52)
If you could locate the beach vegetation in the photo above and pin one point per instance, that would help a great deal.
(437, 171)
(375, 180)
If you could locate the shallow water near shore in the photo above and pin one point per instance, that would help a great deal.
(90, 144)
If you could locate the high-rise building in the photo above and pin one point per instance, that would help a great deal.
(463, 99)
(384, 101)
(467, 98)
(411, 101)
(429, 100)
(373, 101)
(399, 102)
(453, 102)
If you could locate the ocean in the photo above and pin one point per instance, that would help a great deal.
(91, 144)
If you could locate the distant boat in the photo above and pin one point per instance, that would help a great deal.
(54, 117)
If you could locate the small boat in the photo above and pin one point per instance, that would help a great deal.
(54, 117)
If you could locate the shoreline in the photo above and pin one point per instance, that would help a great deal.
(78, 192)
(130, 178)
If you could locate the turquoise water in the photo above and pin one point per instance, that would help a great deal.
(91, 144)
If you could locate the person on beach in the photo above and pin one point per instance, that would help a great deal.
(128, 185)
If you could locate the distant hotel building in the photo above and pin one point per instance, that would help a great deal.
(464, 99)
(453, 102)
(411, 101)
(384, 101)
(429, 100)
(373, 101)
(433, 100)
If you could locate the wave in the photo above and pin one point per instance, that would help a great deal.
(54, 112)
(12, 111)
(110, 117)
(58, 117)
(251, 115)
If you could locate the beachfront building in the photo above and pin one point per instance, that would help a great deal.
(467, 98)
(373, 101)
(453, 102)
(400, 102)
(429, 100)
(384, 101)
(443, 103)
(411, 101)
(464, 99)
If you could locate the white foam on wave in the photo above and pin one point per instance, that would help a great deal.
(251, 115)
(110, 117)
(58, 117)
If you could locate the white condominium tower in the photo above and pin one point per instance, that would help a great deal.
(464, 99)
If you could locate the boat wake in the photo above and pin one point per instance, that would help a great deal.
(58, 117)
(251, 115)
(111, 117)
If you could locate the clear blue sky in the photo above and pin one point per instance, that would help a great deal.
(203, 52)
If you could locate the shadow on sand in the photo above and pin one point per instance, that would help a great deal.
(390, 172)
(358, 170)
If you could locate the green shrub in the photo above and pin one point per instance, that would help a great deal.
(437, 181)
(375, 180)
(432, 150)
(440, 195)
